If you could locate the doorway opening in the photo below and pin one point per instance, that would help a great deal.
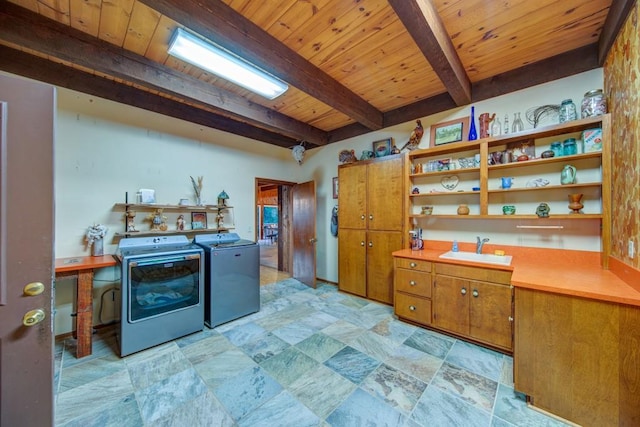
(273, 228)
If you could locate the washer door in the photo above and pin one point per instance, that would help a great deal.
(163, 285)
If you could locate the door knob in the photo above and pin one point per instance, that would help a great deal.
(412, 283)
(34, 288)
(370, 244)
(463, 291)
(475, 293)
(313, 240)
(362, 243)
(412, 307)
(33, 317)
(371, 217)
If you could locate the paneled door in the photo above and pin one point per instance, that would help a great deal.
(26, 252)
(304, 233)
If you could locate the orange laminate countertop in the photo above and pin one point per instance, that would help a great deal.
(567, 272)
(83, 263)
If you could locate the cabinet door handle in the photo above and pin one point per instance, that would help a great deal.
(370, 244)
(362, 217)
(412, 283)
(362, 243)
(475, 293)
(412, 307)
(371, 217)
(413, 265)
(463, 291)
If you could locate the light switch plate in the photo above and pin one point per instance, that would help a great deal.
(631, 249)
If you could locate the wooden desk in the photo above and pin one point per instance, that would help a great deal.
(82, 268)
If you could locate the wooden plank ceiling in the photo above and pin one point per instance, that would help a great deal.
(353, 66)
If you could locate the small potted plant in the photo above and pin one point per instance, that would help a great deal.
(94, 237)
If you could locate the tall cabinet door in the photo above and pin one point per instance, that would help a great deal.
(385, 195)
(352, 197)
(380, 245)
(352, 261)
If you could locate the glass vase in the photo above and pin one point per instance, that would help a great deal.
(473, 134)
(518, 126)
(97, 248)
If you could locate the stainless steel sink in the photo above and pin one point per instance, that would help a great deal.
(474, 257)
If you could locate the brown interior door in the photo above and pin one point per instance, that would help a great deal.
(304, 233)
(26, 252)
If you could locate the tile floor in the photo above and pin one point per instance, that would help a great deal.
(308, 358)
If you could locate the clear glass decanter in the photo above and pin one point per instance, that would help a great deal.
(518, 126)
(496, 127)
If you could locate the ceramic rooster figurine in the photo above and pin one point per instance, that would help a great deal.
(414, 139)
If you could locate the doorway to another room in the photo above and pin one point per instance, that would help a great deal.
(272, 227)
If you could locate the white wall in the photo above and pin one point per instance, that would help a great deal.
(104, 149)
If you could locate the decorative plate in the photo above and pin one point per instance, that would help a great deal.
(537, 182)
(347, 156)
(449, 182)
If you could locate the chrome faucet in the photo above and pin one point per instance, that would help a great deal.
(480, 244)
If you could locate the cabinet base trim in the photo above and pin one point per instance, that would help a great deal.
(502, 350)
(549, 414)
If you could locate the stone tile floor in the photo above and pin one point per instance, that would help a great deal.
(308, 358)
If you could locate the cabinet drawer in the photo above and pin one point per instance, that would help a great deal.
(413, 282)
(413, 264)
(413, 308)
(475, 273)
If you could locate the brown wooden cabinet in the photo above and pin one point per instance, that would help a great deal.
(412, 286)
(371, 217)
(475, 303)
(578, 358)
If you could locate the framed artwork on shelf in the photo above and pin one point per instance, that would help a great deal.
(198, 220)
(383, 147)
(335, 187)
(450, 131)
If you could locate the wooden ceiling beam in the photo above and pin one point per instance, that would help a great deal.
(618, 14)
(25, 28)
(222, 25)
(33, 67)
(425, 26)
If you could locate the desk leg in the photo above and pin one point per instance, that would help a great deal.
(84, 318)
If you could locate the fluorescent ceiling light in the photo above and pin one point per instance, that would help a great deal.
(213, 58)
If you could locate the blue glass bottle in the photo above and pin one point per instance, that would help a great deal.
(473, 135)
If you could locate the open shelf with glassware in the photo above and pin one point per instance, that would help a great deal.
(195, 219)
(471, 173)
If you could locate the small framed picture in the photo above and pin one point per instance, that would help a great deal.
(198, 220)
(383, 147)
(451, 131)
(443, 164)
(335, 187)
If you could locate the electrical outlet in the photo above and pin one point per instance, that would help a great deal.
(631, 249)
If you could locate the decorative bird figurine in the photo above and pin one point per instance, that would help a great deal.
(414, 139)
